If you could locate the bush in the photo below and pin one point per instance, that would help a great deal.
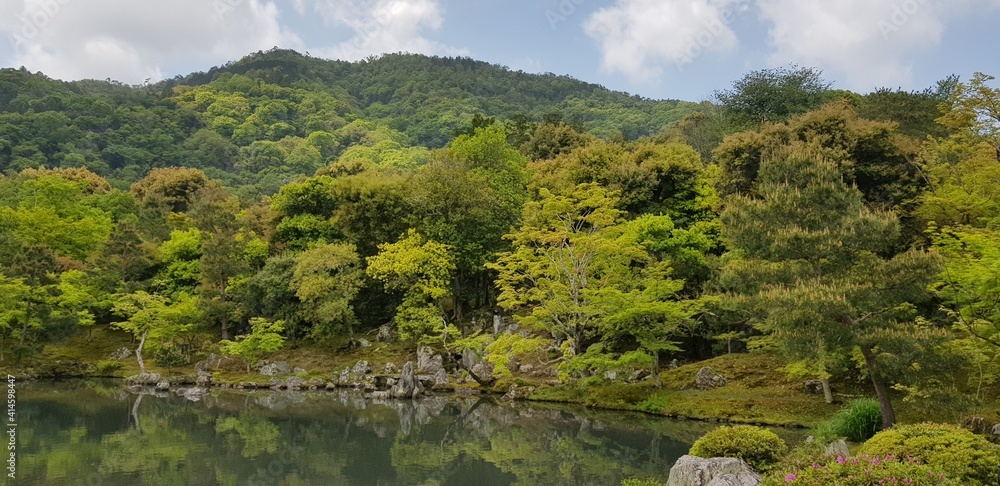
(960, 453)
(760, 448)
(862, 471)
(639, 482)
(109, 367)
(857, 422)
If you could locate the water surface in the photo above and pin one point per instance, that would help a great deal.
(98, 433)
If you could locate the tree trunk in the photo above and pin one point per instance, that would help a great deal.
(138, 351)
(225, 313)
(888, 414)
(827, 392)
(656, 370)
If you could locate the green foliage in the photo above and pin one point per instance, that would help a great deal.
(857, 421)
(639, 482)
(760, 448)
(109, 367)
(864, 470)
(264, 339)
(774, 94)
(326, 279)
(962, 455)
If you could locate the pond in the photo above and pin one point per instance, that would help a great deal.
(99, 433)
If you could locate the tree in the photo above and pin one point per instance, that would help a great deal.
(813, 256)
(215, 213)
(326, 279)
(264, 339)
(156, 319)
(974, 110)
(421, 270)
(775, 94)
(564, 257)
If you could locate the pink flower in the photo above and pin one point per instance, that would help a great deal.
(791, 477)
(815, 467)
(840, 459)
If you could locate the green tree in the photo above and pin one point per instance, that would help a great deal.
(264, 339)
(775, 94)
(155, 319)
(566, 256)
(326, 279)
(974, 111)
(813, 255)
(421, 270)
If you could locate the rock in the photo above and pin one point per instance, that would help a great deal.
(143, 379)
(611, 375)
(163, 386)
(192, 394)
(674, 364)
(294, 383)
(810, 439)
(813, 386)
(390, 369)
(121, 353)
(362, 368)
(996, 430)
(441, 377)
(276, 368)
(220, 363)
(837, 448)
(298, 371)
(204, 378)
(706, 379)
(385, 334)
(380, 395)
(315, 383)
(407, 386)
(518, 393)
(483, 369)
(527, 368)
(428, 362)
(717, 471)
(345, 377)
(364, 343)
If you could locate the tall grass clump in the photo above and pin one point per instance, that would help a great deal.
(857, 422)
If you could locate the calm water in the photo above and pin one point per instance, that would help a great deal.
(97, 433)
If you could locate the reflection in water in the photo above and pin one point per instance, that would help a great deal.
(93, 433)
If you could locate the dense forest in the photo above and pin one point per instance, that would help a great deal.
(283, 198)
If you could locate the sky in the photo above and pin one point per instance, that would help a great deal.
(661, 49)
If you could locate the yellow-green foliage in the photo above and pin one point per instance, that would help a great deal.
(511, 346)
(960, 453)
(760, 448)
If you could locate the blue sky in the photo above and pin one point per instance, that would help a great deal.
(682, 49)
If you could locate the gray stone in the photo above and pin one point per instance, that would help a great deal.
(294, 383)
(441, 377)
(996, 430)
(163, 386)
(717, 471)
(298, 371)
(345, 377)
(362, 368)
(408, 386)
(674, 364)
(611, 375)
(143, 379)
(390, 369)
(204, 378)
(428, 362)
(518, 393)
(527, 368)
(813, 386)
(276, 368)
(315, 383)
(121, 353)
(483, 369)
(706, 379)
(837, 448)
(364, 343)
(385, 334)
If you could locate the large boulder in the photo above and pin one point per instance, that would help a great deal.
(428, 362)
(362, 368)
(276, 368)
(706, 379)
(717, 471)
(408, 386)
(837, 448)
(143, 379)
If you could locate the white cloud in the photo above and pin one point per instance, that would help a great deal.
(637, 37)
(871, 42)
(383, 26)
(130, 40)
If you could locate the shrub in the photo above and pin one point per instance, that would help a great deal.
(108, 367)
(862, 471)
(639, 482)
(760, 448)
(858, 421)
(960, 453)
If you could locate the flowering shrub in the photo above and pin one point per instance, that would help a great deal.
(862, 471)
(954, 450)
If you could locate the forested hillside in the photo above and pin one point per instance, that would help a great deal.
(287, 199)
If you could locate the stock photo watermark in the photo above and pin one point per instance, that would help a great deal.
(11, 427)
(562, 12)
(32, 23)
(709, 34)
(901, 13)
